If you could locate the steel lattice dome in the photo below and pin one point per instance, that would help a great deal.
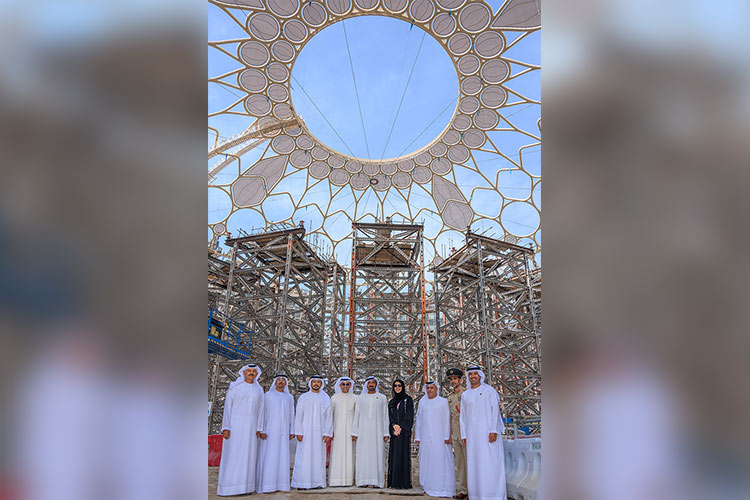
(485, 48)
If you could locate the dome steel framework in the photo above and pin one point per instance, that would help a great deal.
(484, 48)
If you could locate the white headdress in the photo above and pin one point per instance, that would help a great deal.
(241, 377)
(273, 384)
(475, 369)
(364, 386)
(314, 377)
(273, 393)
(424, 387)
(337, 386)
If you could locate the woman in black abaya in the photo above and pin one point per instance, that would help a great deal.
(401, 418)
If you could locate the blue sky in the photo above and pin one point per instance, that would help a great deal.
(382, 67)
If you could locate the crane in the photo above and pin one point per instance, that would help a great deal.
(255, 134)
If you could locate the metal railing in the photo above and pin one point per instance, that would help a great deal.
(229, 332)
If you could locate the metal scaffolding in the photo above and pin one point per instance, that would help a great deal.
(335, 347)
(487, 306)
(387, 315)
(290, 300)
(276, 302)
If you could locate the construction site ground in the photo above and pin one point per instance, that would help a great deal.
(337, 493)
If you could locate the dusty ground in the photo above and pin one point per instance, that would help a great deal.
(327, 493)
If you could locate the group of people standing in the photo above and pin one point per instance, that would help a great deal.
(460, 449)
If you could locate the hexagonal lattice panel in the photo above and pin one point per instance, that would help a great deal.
(484, 161)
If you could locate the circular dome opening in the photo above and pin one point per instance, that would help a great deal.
(406, 87)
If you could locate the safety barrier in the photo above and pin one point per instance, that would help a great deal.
(214, 449)
(523, 468)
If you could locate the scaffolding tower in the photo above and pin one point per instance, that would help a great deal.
(335, 347)
(291, 300)
(387, 314)
(487, 306)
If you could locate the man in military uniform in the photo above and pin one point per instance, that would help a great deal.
(455, 378)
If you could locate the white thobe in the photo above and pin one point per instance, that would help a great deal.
(278, 425)
(485, 463)
(243, 410)
(312, 421)
(370, 425)
(431, 430)
(341, 467)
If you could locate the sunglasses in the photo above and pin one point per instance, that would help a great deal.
(345, 383)
(397, 385)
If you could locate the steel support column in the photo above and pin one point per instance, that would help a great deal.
(487, 307)
(387, 314)
(276, 286)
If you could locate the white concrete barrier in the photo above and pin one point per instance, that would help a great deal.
(523, 468)
(513, 469)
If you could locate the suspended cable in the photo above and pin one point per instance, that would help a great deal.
(356, 91)
(223, 85)
(402, 70)
(324, 116)
(428, 126)
(403, 95)
(518, 110)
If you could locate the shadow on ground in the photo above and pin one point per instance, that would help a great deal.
(327, 493)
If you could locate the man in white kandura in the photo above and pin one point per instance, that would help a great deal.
(370, 432)
(313, 428)
(481, 431)
(432, 431)
(277, 428)
(343, 403)
(243, 413)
